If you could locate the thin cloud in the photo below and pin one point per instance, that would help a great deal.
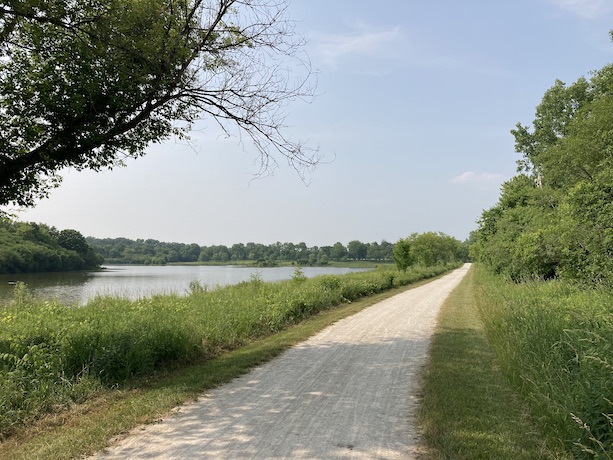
(471, 177)
(366, 42)
(589, 9)
(334, 47)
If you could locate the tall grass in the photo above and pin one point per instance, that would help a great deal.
(469, 410)
(554, 341)
(52, 356)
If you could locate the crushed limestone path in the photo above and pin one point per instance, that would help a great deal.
(348, 392)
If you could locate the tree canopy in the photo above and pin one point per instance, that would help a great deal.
(123, 250)
(403, 256)
(30, 247)
(555, 219)
(428, 249)
(89, 84)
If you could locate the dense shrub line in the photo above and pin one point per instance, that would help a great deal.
(554, 341)
(52, 355)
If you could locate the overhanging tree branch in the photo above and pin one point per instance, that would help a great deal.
(87, 84)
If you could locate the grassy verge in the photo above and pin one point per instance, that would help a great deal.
(469, 410)
(85, 425)
(554, 342)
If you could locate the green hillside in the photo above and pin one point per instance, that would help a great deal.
(30, 247)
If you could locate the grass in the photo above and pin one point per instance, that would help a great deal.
(90, 413)
(516, 371)
(469, 409)
(554, 342)
(521, 371)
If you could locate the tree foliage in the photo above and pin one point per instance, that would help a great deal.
(31, 247)
(556, 218)
(428, 249)
(123, 250)
(403, 256)
(88, 84)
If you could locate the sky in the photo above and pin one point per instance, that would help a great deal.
(415, 103)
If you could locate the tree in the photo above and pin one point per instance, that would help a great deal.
(338, 251)
(571, 134)
(31, 247)
(73, 240)
(519, 236)
(562, 224)
(238, 251)
(553, 116)
(188, 253)
(588, 231)
(88, 84)
(357, 250)
(382, 251)
(432, 248)
(403, 254)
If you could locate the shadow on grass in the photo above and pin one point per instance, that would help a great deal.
(477, 414)
(469, 410)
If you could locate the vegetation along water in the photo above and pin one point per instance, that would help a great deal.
(52, 356)
(134, 281)
(543, 291)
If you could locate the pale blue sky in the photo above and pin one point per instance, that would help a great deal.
(416, 101)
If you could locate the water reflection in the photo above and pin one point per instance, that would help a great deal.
(141, 281)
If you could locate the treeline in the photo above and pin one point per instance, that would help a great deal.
(126, 251)
(555, 219)
(30, 247)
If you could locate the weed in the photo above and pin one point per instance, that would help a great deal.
(298, 275)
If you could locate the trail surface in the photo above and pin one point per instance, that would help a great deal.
(348, 392)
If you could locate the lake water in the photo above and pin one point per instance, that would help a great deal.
(134, 281)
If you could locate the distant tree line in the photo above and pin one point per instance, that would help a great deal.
(140, 251)
(31, 247)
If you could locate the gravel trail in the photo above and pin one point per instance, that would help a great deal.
(348, 392)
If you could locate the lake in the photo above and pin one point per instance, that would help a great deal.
(136, 281)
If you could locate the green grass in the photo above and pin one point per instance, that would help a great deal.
(469, 409)
(554, 342)
(516, 371)
(521, 371)
(61, 361)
